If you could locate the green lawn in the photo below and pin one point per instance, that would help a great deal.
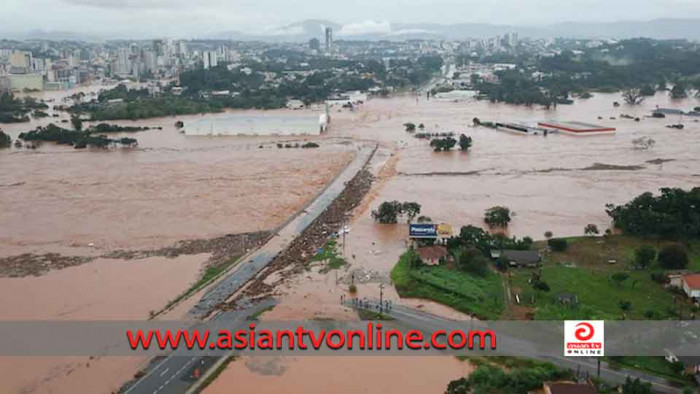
(599, 297)
(479, 296)
(583, 269)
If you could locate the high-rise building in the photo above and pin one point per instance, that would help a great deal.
(209, 59)
(329, 39)
(121, 65)
(314, 43)
(21, 60)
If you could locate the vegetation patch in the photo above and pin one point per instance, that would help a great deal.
(480, 296)
(329, 254)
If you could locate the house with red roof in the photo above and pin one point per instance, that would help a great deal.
(691, 285)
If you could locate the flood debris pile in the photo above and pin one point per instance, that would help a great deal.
(222, 249)
(296, 257)
(29, 264)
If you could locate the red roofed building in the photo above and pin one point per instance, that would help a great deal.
(691, 285)
(432, 255)
(576, 128)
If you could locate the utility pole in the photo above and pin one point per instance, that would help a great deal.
(381, 298)
(598, 368)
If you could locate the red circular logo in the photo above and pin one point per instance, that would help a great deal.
(584, 333)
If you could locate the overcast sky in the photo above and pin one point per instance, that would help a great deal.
(196, 18)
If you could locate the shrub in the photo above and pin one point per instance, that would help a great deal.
(644, 255)
(558, 244)
(673, 256)
(310, 145)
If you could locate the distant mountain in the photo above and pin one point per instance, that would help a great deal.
(382, 30)
(305, 30)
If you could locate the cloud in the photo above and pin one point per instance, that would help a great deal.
(366, 27)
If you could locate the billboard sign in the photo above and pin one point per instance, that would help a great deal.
(444, 230)
(422, 230)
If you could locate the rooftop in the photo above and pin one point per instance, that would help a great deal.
(522, 256)
(573, 126)
(692, 280)
(434, 252)
(569, 388)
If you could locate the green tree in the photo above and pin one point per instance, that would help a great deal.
(633, 96)
(679, 90)
(673, 256)
(498, 216)
(625, 305)
(558, 244)
(619, 278)
(459, 386)
(5, 140)
(591, 229)
(411, 209)
(76, 122)
(464, 142)
(388, 212)
(443, 144)
(636, 387)
(472, 261)
(410, 127)
(644, 256)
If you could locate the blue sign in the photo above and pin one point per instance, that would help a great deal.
(423, 230)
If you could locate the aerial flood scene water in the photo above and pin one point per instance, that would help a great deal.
(409, 175)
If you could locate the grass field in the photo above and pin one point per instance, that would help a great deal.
(482, 297)
(584, 269)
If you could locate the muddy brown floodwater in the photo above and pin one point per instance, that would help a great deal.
(352, 374)
(176, 187)
(92, 202)
(558, 183)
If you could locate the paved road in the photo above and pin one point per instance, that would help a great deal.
(448, 69)
(174, 374)
(429, 322)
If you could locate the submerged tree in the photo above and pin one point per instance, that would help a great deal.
(464, 142)
(5, 140)
(497, 216)
(633, 96)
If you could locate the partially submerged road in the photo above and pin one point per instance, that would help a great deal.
(426, 321)
(173, 375)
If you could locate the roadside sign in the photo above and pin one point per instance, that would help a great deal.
(422, 230)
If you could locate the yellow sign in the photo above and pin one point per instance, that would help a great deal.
(444, 230)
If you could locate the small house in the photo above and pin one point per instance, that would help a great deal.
(519, 258)
(432, 255)
(691, 285)
(675, 278)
